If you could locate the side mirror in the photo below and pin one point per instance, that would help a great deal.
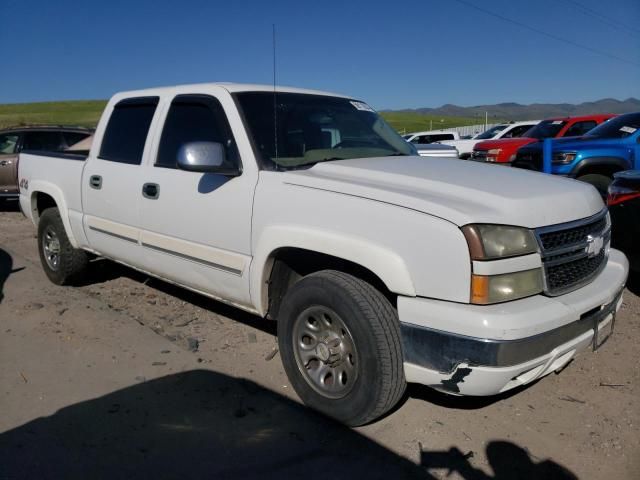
(205, 157)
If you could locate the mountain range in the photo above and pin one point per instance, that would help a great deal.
(516, 111)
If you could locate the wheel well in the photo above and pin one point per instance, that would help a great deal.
(292, 264)
(42, 202)
(606, 170)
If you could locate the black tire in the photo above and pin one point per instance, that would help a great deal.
(72, 263)
(373, 329)
(601, 182)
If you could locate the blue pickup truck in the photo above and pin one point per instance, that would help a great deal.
(609, 148)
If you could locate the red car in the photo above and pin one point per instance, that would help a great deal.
(504, 150)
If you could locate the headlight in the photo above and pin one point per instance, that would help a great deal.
(487, 242)
(487, 289)
(563, 158)
(492, 155)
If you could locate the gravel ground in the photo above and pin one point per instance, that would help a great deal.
(583, 422)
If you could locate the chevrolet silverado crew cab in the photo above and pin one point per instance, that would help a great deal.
(379, 267)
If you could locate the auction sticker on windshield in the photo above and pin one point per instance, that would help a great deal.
(362, 106)
(628, 130)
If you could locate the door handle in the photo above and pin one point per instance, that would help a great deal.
(95, 181)
(4, 163)
(151, 191)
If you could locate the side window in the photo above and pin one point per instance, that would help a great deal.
(48, 141)
(195, 118)
(580, 128)
(516, 132)
(441, 136)
(127, 130)
(8, 143)
(71, 138)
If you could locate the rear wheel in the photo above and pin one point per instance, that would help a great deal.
(61, 262)
(340, 344)
(601, 182)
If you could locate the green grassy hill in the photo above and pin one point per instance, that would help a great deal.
(405, 122)
(87, 113)
(81, 112)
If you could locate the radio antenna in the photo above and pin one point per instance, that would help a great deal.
(275, 103)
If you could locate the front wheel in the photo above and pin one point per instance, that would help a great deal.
(339, 340)
(61, 262)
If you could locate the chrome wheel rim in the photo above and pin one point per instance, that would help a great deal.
(51, 248)
(325, 352)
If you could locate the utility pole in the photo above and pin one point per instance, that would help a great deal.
(486, 120)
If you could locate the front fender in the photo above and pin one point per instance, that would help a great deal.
(42, 186)
(609, 161)
(386, 264)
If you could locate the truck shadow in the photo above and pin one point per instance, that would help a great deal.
(103, 271)
(203, 424)
(441, 399)
(6, 269)
(9, 205)
(633, 282)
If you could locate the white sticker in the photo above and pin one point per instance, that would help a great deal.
(362, 106)
(626, 129)
(556, 122)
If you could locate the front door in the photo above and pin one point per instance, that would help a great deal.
(9, 164)
(196, 227)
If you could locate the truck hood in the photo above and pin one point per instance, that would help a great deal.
(510, 143)
(461, 192)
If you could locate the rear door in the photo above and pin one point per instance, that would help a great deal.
(9, 163)
(112, 180)
(197, 226)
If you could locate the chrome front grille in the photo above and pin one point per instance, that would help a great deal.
(574, 253)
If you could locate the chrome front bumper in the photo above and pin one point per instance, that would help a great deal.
(516, 342)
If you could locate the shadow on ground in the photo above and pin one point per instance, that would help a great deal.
(201, 424)
(103, 270)
(633, 282)
(9, 205)
(6, 269)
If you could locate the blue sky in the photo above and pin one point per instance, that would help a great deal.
(405, 55)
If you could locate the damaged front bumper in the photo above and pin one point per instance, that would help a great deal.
(493, 355)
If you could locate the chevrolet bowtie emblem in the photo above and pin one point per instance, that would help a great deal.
(594, 245)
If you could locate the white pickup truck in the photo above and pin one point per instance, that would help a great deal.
(380, 268)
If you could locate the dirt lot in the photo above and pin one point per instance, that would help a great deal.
(128, 377)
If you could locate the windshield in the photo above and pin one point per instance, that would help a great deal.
(492, 132)
(617, 127)
(545, 129)
(316, 128)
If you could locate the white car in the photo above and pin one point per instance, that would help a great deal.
(431, 136)
(504, 130)
(436, 150)
(380, 268)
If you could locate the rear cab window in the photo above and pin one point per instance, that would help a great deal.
(126, 133)
(43, 141)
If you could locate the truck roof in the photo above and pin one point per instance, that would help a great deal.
(598, 116)
(229, 86)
